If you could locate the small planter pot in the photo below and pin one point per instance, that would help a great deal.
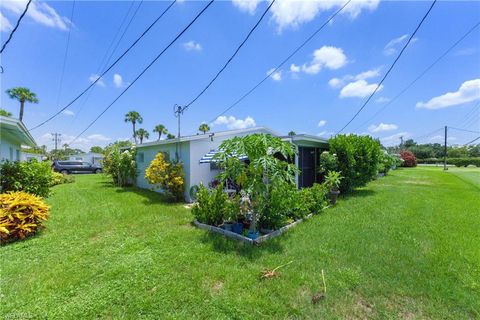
(253, 234)
(333, 196)
(228, 226)
(237, 228)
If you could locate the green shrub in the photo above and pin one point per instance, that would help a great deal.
(211, 206)
(388, 162)
(58, 178)
(30, 176)
(358, 158)
(21, 215)
(167, 175)
(120, 165)
(327, 162)
(459, 162)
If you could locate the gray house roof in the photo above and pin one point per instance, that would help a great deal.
(209, 136)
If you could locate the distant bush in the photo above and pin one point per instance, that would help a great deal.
(30, 176)
(459, 162)
(358, 158)
(21, 215)
(409, 159)
(167, 175)
(388, 162)
(58, 178)
(120, 165)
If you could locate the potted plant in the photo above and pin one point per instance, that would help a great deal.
(332, 181)
(232, 212)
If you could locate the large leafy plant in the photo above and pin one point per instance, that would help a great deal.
(120, 165)
(30, 176)
(268, 165)
(21, 215)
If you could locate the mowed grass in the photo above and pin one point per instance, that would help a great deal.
(406, 246)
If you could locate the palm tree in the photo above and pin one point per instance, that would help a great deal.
(170, 136)
(141, 134)
(204, 128)
(291, 133)
(23, 95)
(160, 129)
(134, 117)
(5, 113)
(65, 146)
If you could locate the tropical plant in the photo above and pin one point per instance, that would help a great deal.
(327, 162)
(160, 129)
(65, 146)
(134, 117)
(357, 159)
(58, 178)
(204, 128)
(409, 159)
(5, 113)
(97, 149)
(120, 165)
(30, 176)
(23, 95)
(170, 136)
(291, 133)
(333, 180)
(21, 215)
(141, 134)
(167, 175)
(265, 169)
(211, 205)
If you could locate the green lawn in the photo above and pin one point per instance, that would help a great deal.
(406, 247)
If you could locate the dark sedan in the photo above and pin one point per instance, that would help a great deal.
(69, 166)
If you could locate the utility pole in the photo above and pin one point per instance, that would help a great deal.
(178, 112)
(56, 138)
(445, 151)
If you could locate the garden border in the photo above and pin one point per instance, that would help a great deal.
(259, 240)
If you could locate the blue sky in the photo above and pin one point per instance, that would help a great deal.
(316, 92)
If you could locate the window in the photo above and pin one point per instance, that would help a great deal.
(17, 155)
(214, 166)
(79, 159)
(11, 154)
(140, 157)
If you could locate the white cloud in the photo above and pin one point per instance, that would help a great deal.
(118, 81)
(394, 45)
(192, 46)
(383, 100)
(83, 143)
(394, 139)
(67, 112)
(277, 75)
(94, 77)
(359, 88)
(321, 123)
(292, 13)
(294, 68)
(468, 91)
(246, 5)
(233, 123)
(40, 12)
(326, 56)
(325, 133)
(340, 82)
(5, 25)
(382, 127)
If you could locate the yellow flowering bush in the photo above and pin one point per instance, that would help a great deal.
(167, 175)
(21, 215)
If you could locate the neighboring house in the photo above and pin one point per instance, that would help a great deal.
(90, 157)
(13, 135)
(26, 156)
(191, 149)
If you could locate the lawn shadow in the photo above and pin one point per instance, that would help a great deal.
(225, 245)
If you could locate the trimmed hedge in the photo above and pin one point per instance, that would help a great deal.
(459, 162)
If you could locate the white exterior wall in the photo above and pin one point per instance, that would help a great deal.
(25, 156)
(9, 149)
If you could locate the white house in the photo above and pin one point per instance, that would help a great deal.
(190, 150)
(27, 156)
(13, 135)
(90, 157)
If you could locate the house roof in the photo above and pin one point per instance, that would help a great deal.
(297, 138)
(209, 135)
(15, 129)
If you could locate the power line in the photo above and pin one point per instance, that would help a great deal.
(103, 65)
(231, 58)
(16, 26)
(65, 56)
(108, 69)
(464, 130)
(472, 140)
(428, 134)
(391, 67)
(145, 69)
(420, 76)
(469, 116)
(283, 62)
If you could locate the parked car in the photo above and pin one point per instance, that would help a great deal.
(69, 166)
